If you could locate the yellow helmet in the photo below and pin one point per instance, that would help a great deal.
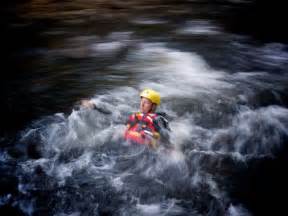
(152, 95)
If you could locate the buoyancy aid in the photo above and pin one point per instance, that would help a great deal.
(142, 128)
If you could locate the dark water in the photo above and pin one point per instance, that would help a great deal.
(225, 94)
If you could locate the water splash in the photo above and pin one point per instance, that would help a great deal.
(84, 150)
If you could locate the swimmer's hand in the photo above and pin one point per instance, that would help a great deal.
(87, 104)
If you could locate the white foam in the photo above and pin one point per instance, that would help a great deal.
(5, 199)
(265, 126)
(176, 156)
(237, 210)
(64, 170)
(72, 214)
(175, 74)
(181, 131)
(148, 21)
(4, 156)
(117, 183)
(27, 206)
(198, 27)
(152, 209)
(107, 47)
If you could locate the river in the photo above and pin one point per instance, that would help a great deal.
(225, 95)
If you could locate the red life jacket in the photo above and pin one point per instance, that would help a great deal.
(141, 128)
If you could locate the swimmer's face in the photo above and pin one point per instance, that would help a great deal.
(146, 105)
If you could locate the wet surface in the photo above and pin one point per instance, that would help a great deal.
(225, 95)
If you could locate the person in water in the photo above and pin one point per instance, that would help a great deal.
(146, 126)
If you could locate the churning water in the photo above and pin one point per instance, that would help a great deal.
(222, 117)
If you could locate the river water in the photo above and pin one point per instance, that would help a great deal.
(225, 95)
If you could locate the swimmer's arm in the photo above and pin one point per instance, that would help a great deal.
(123, 118)
(88, 104)
(163, 129)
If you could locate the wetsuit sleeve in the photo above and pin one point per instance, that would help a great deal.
(162, 126)
(102, 110)
(101, 107)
